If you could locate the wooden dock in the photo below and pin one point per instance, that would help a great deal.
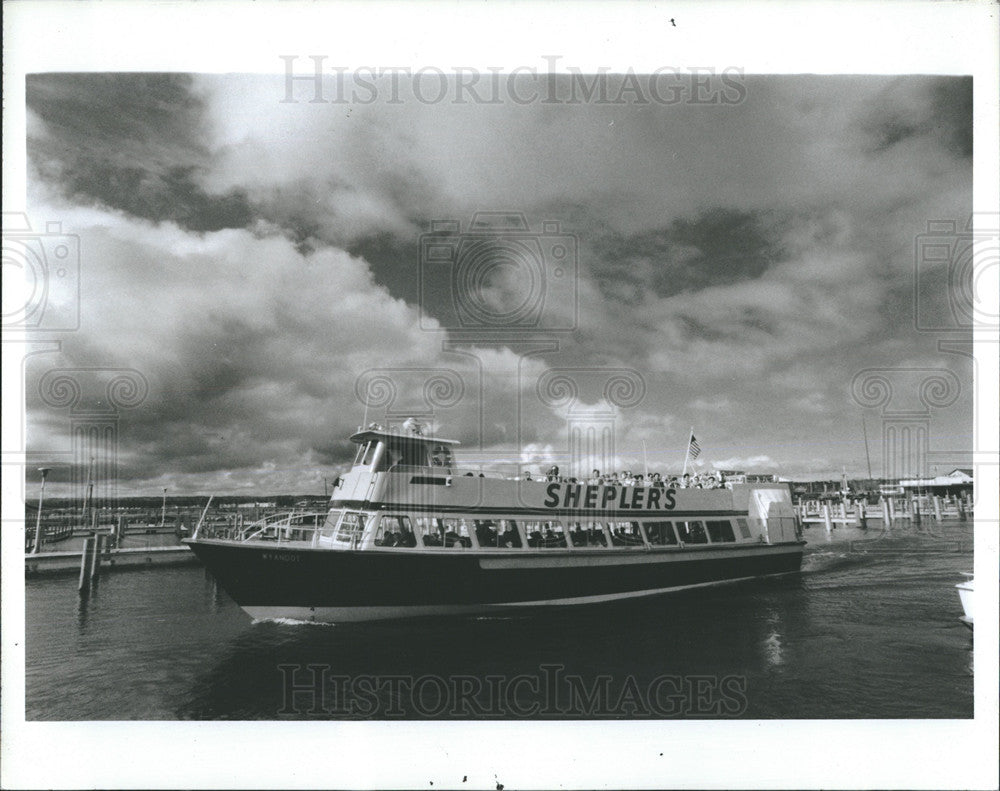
(860, 513)
(70, 562)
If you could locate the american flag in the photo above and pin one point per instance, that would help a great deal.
(693, 448)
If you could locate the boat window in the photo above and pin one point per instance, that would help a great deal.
(441, 456)
(407, 454)
(369, 452)
(497, 534)
(351, 526)
(691, 532)
(428, 532)
(741, 523)
(720, 531)
(389, 459)
(443, 532)
(588, 534)
(456, 533)
(545, 534)
(395, 531)
(362, 449)
(660, 534)
(625, 534)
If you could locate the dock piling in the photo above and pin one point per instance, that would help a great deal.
(937, 508)
(95, 557)
(85, 561)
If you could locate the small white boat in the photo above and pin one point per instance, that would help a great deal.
(965, 591)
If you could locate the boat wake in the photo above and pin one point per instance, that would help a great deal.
(291, 622)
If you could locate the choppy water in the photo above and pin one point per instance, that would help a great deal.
(868, 629)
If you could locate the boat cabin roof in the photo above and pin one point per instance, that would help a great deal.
(397, 436)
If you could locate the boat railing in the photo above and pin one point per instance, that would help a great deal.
(283, 527)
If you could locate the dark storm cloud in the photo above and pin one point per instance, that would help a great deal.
(130, 142)
(718, 246)
(942, 112)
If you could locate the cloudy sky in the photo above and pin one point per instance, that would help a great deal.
(728, 259)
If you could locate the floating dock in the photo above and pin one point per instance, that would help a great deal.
(68, 563)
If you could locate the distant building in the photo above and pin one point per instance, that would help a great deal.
(957, 481)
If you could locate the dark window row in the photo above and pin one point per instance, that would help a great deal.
(459, 532)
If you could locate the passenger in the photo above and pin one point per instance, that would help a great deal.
(685, 481)
(595, 478)
(712, 483)
(527, 475)
(552, 474)
(469, 474)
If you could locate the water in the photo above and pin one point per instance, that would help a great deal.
(869, 629)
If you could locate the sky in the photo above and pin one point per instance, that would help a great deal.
(257, 273)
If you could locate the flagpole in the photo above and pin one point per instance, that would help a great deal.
(645, 461)
(687, 452)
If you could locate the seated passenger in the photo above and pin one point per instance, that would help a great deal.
(407, 539)
(510, 537)
(552, 474)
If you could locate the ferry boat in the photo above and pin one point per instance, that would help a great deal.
(408, 533)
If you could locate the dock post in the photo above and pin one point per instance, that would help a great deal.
(95, 556)
(826, 517)
(937, 508)
(843, 511)
(891, 506)
(961, 511)
(860, 513)
(915, 502)
(88, 548)
(885, 511)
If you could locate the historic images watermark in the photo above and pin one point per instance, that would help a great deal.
(315, 690)
(312, 79)
(960, 261)
(498, 275)
(41, 274)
